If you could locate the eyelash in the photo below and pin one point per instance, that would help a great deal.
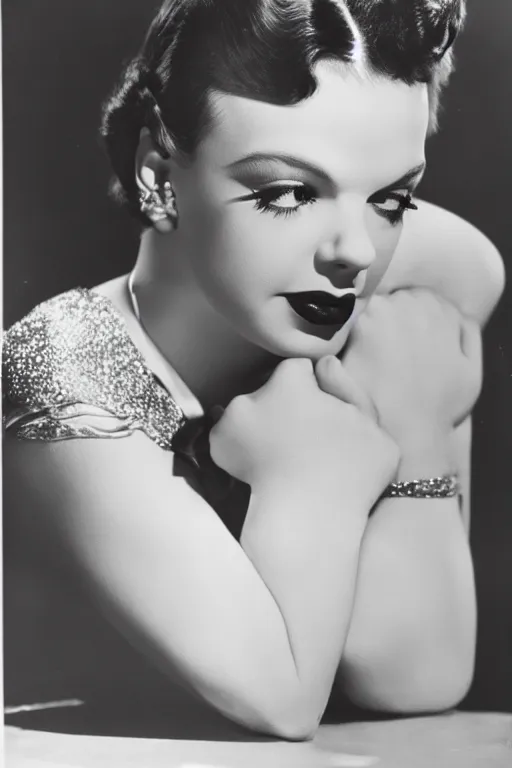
(264, 198)
(263, 201)
(394, 216)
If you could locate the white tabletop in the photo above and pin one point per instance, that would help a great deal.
(454, 740)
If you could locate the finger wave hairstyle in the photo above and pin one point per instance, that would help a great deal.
(265, 50)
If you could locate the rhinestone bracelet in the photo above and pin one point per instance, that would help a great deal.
(445, 487)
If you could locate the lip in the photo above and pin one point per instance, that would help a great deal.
(321, 308)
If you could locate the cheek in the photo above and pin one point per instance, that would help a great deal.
(384, 235)
(237, 258)
(385, 238)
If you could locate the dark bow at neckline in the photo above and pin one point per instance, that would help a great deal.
(228, 497)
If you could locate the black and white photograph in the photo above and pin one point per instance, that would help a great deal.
(257, 383)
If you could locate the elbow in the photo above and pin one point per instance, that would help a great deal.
(287, 727)
(294, 722)
(282, 710)
(435, 693)
(286, 719)
(290, 729)
(438, 693)
(420, 687)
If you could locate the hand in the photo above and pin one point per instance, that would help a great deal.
(290, 431)
(419, 362)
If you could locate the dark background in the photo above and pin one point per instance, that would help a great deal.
(60, 58)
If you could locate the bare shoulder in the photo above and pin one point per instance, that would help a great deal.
(441, 251)
(126, 519)
(80, 486)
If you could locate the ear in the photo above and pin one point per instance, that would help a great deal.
(151, 171)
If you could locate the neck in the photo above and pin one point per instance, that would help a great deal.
(209, 355)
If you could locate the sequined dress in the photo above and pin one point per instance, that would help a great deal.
(72, 357)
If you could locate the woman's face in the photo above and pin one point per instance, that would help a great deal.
(286, 200)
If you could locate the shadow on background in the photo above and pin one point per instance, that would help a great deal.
(60, 60)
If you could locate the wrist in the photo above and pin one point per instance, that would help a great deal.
(315, 491)
(426, 453)
(444, 487)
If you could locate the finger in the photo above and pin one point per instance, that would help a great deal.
(293, 369)
(295, 375)
(333, 379)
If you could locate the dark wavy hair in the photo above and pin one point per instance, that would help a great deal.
(265, 50)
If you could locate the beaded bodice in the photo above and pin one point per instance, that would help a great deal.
(70, 369)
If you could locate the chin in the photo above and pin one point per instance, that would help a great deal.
(288, 335)
(297, 343)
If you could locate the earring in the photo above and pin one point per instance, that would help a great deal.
(155, 208)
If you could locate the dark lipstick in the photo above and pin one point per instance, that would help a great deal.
(321, 308)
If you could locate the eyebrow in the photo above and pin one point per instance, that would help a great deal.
(295, 162)
(408, 179)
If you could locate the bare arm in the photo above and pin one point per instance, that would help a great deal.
(415, 562)
(308, 553)
(171, 576)
(411, 641)
(412, 637)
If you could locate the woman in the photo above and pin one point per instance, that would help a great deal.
(271, 151)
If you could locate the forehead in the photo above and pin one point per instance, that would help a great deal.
(352, 126)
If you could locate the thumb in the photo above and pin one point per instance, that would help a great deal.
(333, 379)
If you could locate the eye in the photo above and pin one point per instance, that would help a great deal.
(392, 205)
(284, 198)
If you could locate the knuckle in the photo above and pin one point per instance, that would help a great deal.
(294, 366)
(237, 404)
(235, 411)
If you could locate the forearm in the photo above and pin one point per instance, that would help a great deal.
(307, 553)
(412, 635)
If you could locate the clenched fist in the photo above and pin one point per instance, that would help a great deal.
(290, 431)
(419, 362)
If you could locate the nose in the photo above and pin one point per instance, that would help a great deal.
(347, 248)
